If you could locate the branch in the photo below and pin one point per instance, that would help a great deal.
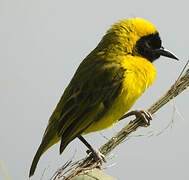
(88, 163)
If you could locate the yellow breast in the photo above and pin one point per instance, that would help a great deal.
(139, 75)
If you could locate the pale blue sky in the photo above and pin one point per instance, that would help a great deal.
(42, 43)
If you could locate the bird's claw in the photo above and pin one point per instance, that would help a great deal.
(145, 116)
(97, 155)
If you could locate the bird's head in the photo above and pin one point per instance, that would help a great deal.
(137, 37)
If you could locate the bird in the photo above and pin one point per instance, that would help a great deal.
(106, 85)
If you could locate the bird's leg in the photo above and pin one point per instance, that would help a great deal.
(98, 156)
(145, 115)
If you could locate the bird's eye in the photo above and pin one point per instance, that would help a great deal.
(148, 44)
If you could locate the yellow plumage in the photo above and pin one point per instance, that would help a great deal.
(140, 72)
(106, 84)
(140, 75)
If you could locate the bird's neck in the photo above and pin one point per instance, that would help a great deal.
(111, 44)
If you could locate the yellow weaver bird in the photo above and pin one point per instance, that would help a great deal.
(106, 85)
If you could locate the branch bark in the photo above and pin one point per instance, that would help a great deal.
(88, 163)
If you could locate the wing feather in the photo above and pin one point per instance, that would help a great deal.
(88, 98)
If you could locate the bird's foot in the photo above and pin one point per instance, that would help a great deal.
(144, 115)
(97, 155)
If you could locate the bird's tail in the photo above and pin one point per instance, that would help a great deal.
(42, 148)
(46, 143)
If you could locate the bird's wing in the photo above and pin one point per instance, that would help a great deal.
(88, 96)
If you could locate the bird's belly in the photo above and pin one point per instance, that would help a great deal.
(120, 106)
(133, 88)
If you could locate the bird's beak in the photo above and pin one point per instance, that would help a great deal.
(166, 53)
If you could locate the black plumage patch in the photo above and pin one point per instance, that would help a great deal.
(147, 44)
